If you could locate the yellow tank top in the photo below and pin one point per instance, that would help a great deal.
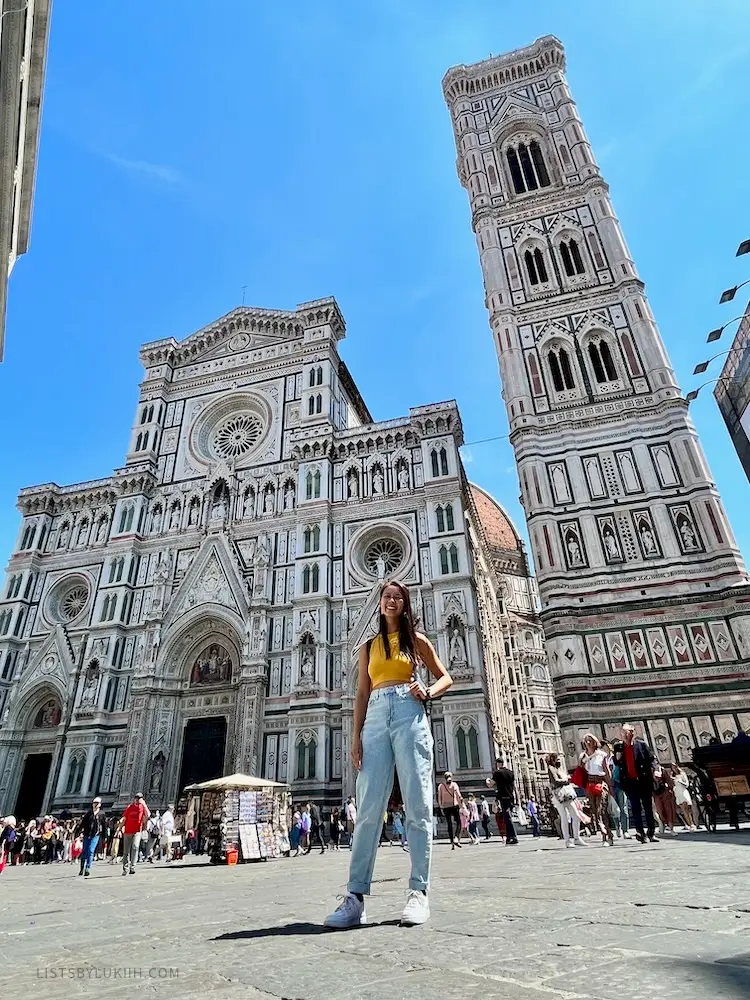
(398, 669)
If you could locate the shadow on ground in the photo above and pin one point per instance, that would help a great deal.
(298, 928)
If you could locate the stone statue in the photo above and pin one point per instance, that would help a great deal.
(378, 482)
(307, 663)
(688, 535)
(64, 536)
(101, 529)
(610, 543)
(574, 551)
(288, 497)
(268, 501)
(91, 680)
(403, 478)
(262, 555)
(457, 648)
(192, 513)
(174, 517)
(161, 573)
(82, 528)
(157, 772)
(352, 484)
(156, 521)
(647, 537)
(382, 566)
(219, 510)
(248, 504)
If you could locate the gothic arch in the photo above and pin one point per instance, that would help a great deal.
(611, 365)
(198, 628)
(22, 714)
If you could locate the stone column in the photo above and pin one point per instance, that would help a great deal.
(348, 774)
(249, 722)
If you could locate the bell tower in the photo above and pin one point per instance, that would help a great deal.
(638, 571)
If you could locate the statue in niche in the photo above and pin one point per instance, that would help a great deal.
(610, 543)
(248, 503)
(101, 529)
(403, 477)
(268, 500)
(689, 540)
(381, 566)
(289, 497)
(307, 663)
(262, 555)
(157, 772)
(647, 538)
(457, 649)
(192, 513)
(352, 485)
(213, 666)
(156, 521)
(91, 681)
(574, 549)
(64, 536)
(219, 509)
(82, 529)
(161, 573)
(48, 716)
(174, 517)
(378, 481)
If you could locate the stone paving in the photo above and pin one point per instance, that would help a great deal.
(535, 922)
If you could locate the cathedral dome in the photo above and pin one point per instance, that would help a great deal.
(498, 527)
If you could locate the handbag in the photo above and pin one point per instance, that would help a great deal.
(566, 793)
(580, 776)
(595, 788)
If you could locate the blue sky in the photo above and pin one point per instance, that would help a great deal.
(303, 150)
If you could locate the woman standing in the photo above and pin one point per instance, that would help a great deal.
(598, 785)
(473, 819)
(305, 827)
(463, 816)
(391, 726)
(295, 834)
(398, 825)
(682, 796)
(335, 828)
(664, 798)
(564, 800)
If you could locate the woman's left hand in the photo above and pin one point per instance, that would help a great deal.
(418, 690)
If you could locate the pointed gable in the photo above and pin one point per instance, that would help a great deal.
(213, 578)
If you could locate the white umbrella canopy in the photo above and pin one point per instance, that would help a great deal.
(242, 781)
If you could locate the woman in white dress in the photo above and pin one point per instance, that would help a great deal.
(682, 796)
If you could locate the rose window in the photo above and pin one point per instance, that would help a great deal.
(237, 435)
(384, 555)
(74, 602)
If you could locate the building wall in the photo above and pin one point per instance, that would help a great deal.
(231, 569)
(641, 582)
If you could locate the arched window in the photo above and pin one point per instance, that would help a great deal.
(601, 362)
(76, 768)
(434, 460)
(443, 462)
(315, 578)
(316, 538)
(308, 539)
(443, 556)
(559, 366)
(112, 608)
(311, 406)
(571, 258)
(144, 415)
(467, 745)
(528, 170)
(129, 518)
(309, 486)
(112, 570)
(105, 610)
(320, 376)
(453, 553)
(535, 266)
(316, 483)
(449, 517)
(307, 751)
(306, 580)
(312, 378)
(440, 515)
(318, 403)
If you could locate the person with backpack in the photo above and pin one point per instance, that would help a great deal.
(92, 828)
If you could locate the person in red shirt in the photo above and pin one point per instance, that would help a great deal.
(134, 821)
(635, 760)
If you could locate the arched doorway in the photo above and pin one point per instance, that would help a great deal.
(40, 721)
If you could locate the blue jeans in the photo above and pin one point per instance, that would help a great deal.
(87, 855)
(622, 802)
(396, 731)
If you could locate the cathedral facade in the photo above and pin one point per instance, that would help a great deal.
(644, 595)
(200, 611)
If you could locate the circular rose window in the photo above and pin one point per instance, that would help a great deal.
(237, 435)
(67, 600)
(383, 556)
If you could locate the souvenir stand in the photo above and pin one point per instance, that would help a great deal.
(241, 818)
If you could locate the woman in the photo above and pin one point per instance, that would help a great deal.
(682, 796)
(29, 842)
(484, 816)
(305, 827)
(564, 797)
(464, 817)
(664, 798)
(473, 819)
(391, 726)
(335, 828)
(398, 825)
(598, 785)
(295, 834)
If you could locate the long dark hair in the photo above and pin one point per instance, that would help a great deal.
(407, 626)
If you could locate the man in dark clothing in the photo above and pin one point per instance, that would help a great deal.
(505, 784)
(92, 828)
(315, 826)
(635, 760)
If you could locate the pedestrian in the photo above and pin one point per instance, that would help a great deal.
(682, 796)
(484, 815)
(635, 759)
(152, 837)
(7, 839)
(166, 832)
(664, 798)
(17, 855)
(295, 833)
(48, 839)
(620, 817)
(473, 818)
(598, 783)
(351, 818)
(29, 842)
(305, 825)
(398, 825)
(564, 797)
(384, 832)
(463, 816)
(449, 800)
(92, 828)
(505, 782)
(335, 828)
(533, 810)
(315, 828)
(392, 727)
(135, 817)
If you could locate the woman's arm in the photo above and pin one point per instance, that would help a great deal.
(431, 660)
(360, 705)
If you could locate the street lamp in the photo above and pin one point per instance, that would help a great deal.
(716, 334)
(729, 293)
(693, 394)
(700, 368)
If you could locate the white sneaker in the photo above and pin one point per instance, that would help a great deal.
(349, 913)
(628, 835)
(569, 843)
(417, 909)
(580, 843)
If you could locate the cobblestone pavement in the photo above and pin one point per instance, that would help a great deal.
(536, 922)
